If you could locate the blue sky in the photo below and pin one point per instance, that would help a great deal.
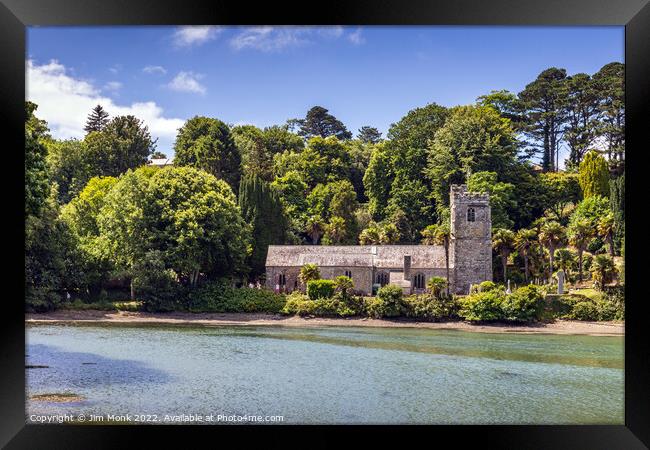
(265, 75)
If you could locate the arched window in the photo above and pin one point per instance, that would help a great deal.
(282, 280)
(418, 281)
(471, 215)
(382, 278)
(348, 273)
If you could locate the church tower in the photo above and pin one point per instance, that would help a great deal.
(471, 238)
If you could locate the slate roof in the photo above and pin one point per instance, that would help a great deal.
(379, 256)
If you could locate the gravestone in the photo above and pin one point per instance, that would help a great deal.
(560, 281)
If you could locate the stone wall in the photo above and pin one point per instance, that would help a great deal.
(362, 277)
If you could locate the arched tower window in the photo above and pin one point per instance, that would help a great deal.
(418, 281)
(471, 215)
(382, 278)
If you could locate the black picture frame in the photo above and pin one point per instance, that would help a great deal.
(15, 15)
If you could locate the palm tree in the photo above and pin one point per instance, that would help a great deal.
(314, 228)
(580, 234)
(335, 230)
(389, 234)
(503, 242)
(551, 235)
(565, 259)
(309, 272)
(602, 270)
(438, 234)
(436, 285)
(370, 235)
(605, 229)
(524, 242)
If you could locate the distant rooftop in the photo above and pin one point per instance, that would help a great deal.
(380, 256)
(161, 162)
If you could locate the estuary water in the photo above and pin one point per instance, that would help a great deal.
(330, 375)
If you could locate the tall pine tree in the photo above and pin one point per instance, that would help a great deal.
(97, 119)
(262, 209)
(543, 102)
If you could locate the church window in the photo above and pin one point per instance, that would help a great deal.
(471, 215)
(382, 278)
(348, 273)
(418, 281)
(282, 280)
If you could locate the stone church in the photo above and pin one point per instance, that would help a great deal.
(407, 266)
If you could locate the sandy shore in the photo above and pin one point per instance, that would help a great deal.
(254, 319)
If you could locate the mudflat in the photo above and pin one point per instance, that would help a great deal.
(615, 328)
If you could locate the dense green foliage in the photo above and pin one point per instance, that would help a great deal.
(36, 176)
(208, 144)
(391, 301)
(320, 289)
(99, 220)
(493, 303)
(221, 296)
(261, 208)
(594, 175)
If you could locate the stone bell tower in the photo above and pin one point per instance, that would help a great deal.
(471, 238)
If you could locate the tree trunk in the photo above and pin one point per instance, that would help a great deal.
(551, 249)
(610, 244)
(504, 262)
(579, 264)
(132, 291)
(526, 267)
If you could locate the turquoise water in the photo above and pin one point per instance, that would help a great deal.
(327, 375)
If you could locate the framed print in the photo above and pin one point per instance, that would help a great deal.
(388, 220)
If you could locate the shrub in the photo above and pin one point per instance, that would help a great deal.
(373, 307)
(561, 305)
(336, 306)
(430, 307)
(320, 289)
(482, 306)
(586, 310)
(486, 286)
(524, 305)
(343, 284)
(300, 304)
(391, 297)
(221, 296)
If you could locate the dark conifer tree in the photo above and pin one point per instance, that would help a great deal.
(262, 209)
(369, 135)
(319, 122)
(97, 119)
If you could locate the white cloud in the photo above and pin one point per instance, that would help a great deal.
(115, 68)
(113, 86)
(269, 39)
(154, 69)
(272, 39)
(64, 102)
(195, 35)
(187, 82)
(335, 31)
(356, 37)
